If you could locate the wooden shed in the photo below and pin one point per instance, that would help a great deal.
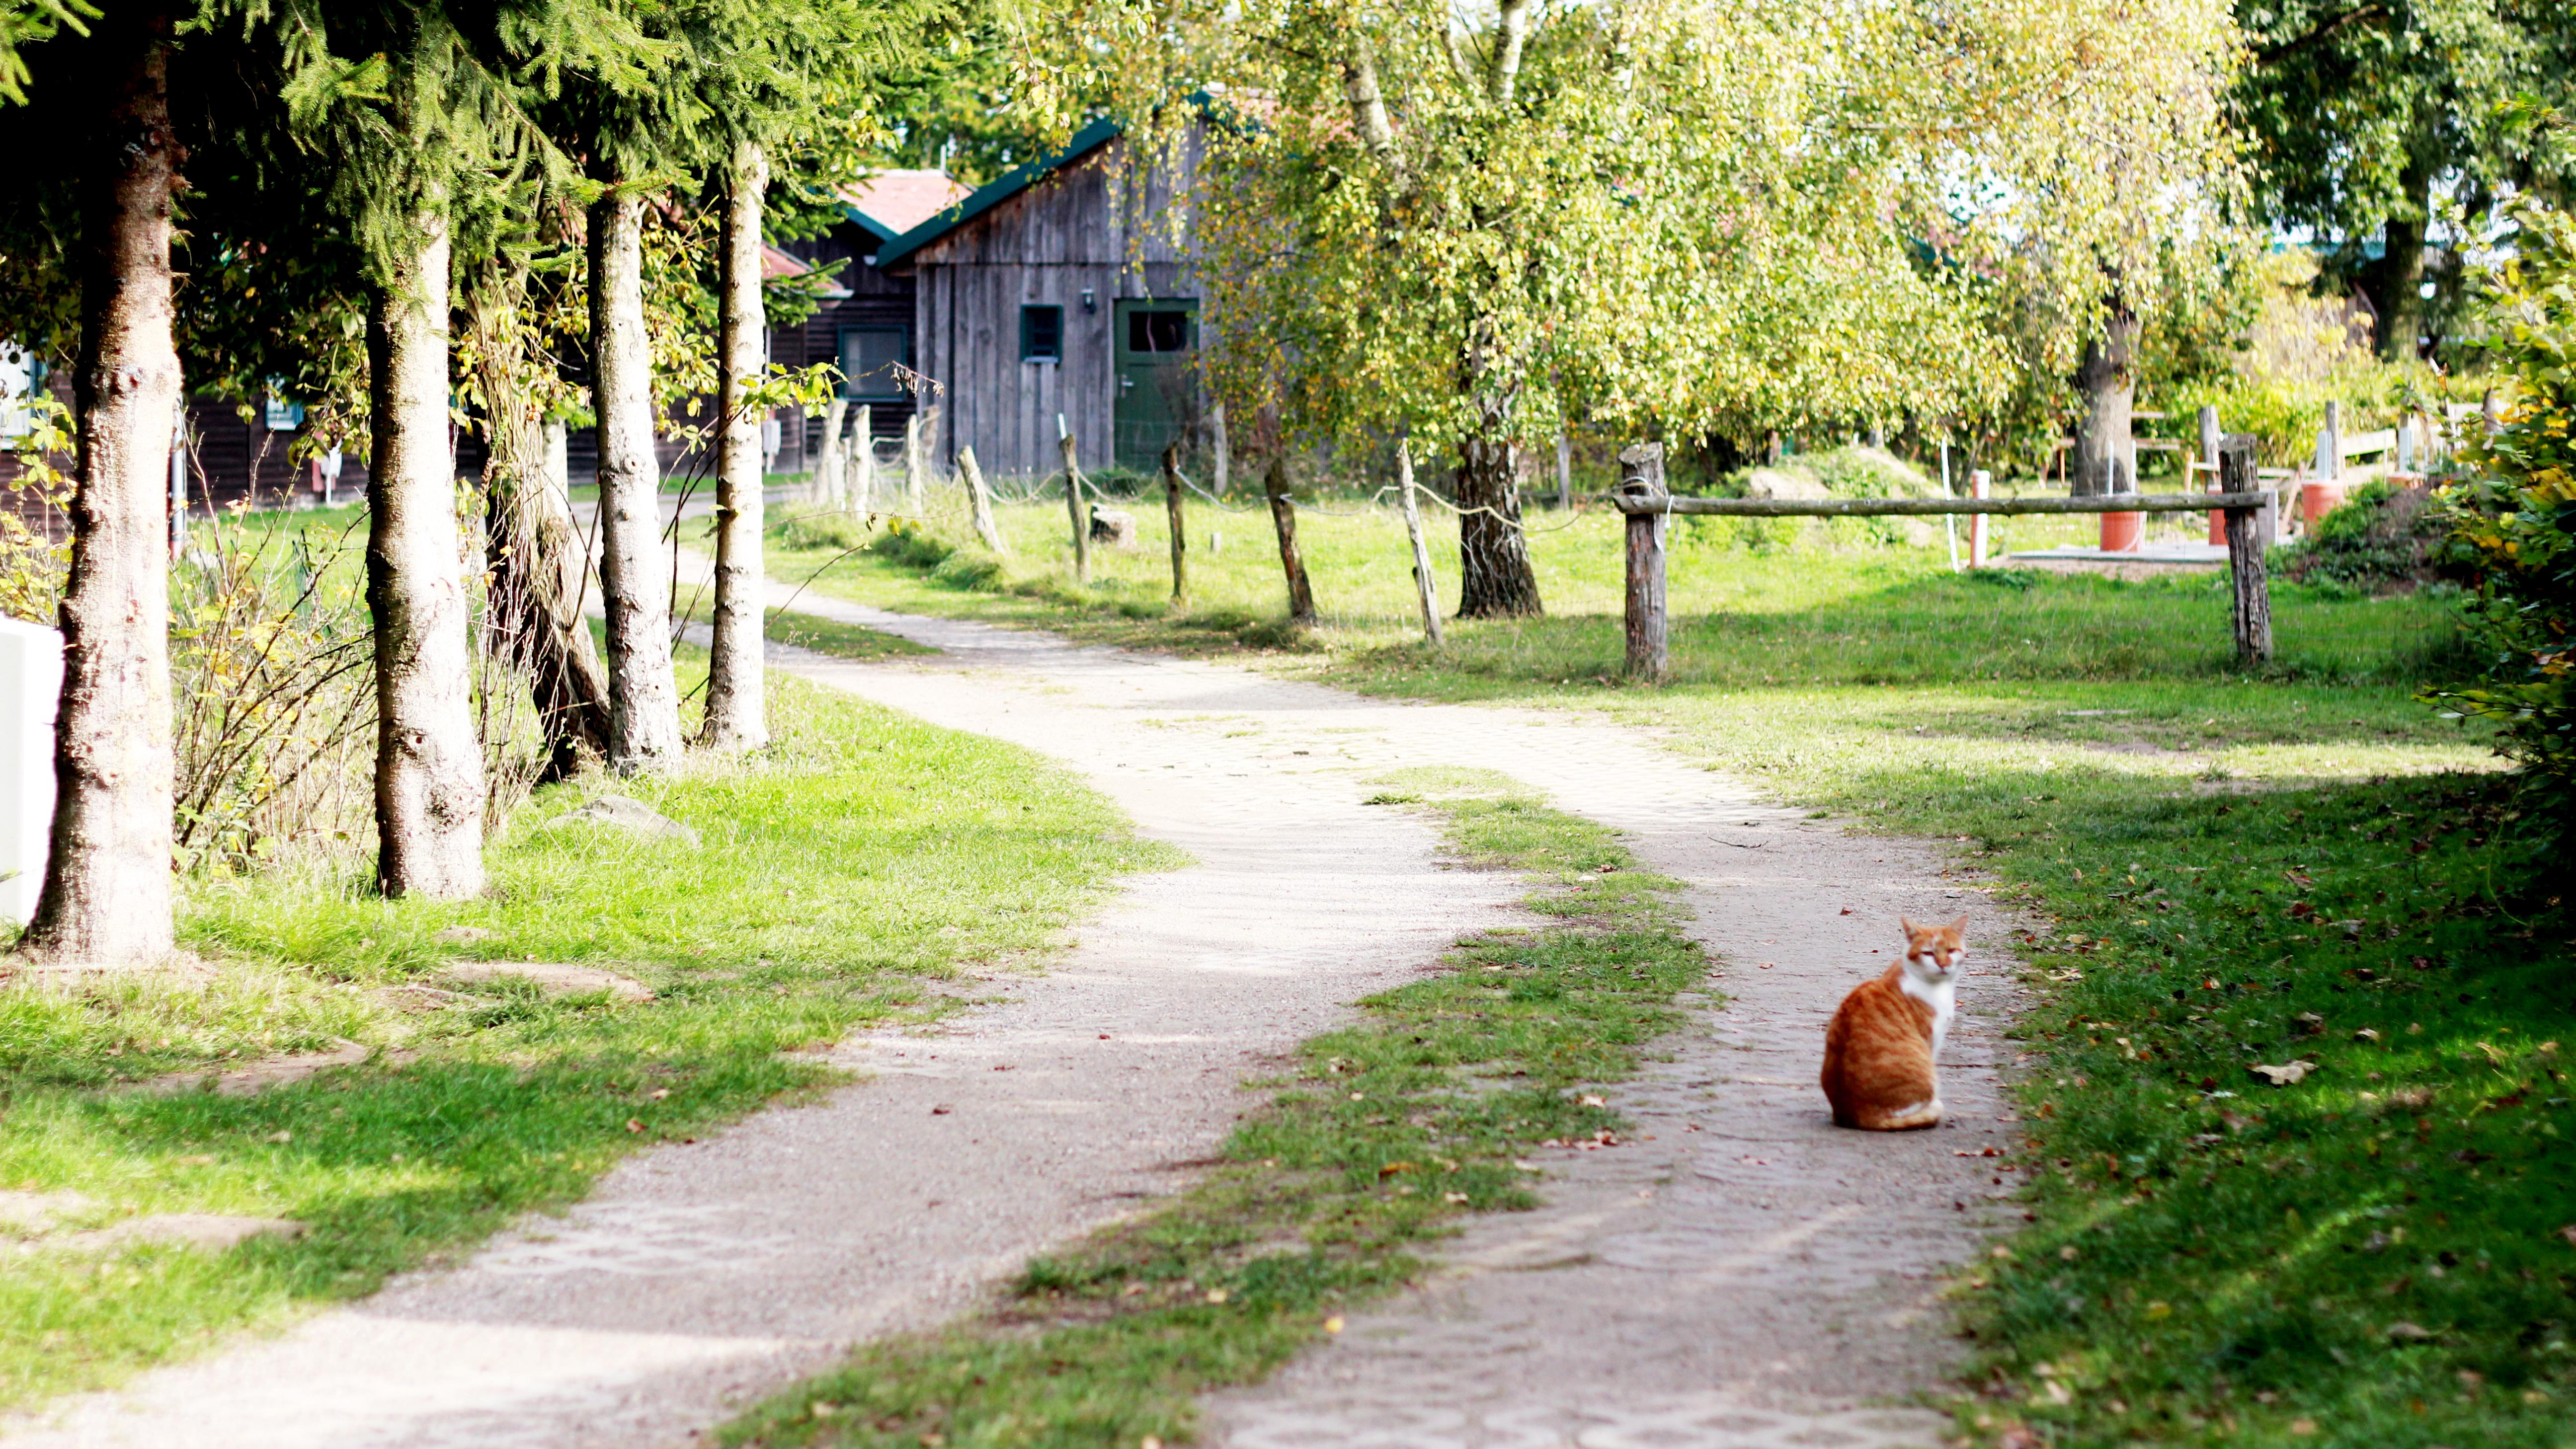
(1055, 291)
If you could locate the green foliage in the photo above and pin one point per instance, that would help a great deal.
(2380, 538)
(2362, 121)
(33, 565)
(1384, 1134)
(2511, 522)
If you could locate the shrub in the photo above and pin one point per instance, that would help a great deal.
(2381, 540)
(2509, 523)
(826, 530)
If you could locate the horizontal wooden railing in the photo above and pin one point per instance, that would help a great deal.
(2246, 508)
(1885, 507)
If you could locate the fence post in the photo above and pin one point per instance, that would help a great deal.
(1073, 509)
(824, 480)
(981, 500)
(1423, 589)
(1980, 484)
(1179, 525)
(915, 463)
(2249, 532)
(1641, 477)
(859, 464)
(1220, 453)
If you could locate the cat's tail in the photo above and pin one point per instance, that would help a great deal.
(1897, 1119)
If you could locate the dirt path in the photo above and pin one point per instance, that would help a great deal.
(1759, 1275)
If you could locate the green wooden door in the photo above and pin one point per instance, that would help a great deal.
(1156, 354)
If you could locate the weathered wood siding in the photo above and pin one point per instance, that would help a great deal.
(1043, 247)
(876, 300)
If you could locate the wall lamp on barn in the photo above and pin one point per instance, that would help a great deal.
(1090, 304)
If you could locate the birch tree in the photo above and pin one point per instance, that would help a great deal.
(106, 899)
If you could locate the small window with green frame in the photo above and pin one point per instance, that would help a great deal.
(1042, 334)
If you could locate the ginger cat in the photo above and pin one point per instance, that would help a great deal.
(1881, 1046)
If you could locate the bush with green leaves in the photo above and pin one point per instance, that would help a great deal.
(2509, 522)
(2380, 540)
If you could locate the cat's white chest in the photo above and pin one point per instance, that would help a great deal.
(1942, 996)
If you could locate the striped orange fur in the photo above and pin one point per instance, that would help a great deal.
(1882, 1048)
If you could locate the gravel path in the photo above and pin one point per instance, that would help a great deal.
(1742, 1274)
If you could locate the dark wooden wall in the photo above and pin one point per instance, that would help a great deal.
(1088, 226)
(876, 300)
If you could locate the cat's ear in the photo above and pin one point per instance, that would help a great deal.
(1907, 923)
(1958, 927)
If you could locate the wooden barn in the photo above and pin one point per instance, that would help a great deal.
(1051, 292)
(865, 324)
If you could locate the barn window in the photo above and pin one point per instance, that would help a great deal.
(1041, 334)
(872, 359)
(1158, 331)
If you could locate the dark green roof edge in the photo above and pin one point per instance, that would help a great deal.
(868, 224)
(1020, 178)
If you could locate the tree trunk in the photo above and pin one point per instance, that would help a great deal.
(429, 766)
(1495, 577)
(1283, 517)
(2106, 457)
(106, 895)
(737, 709)
(643, 698)
(2394, 282)
(538, 562)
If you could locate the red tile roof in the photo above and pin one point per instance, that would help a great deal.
(898, 201)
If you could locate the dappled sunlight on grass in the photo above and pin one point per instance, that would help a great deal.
(859, 860)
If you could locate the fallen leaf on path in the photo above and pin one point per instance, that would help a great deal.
(1216, 1295)
(634, 1126)
(1392, 1168)
(941, 1111)
(1592, 1101)
(1333, 1324)
(2287, 1074)
(1453, 1197)
(2569, 1233)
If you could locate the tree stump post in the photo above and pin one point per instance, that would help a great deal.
(824, 485)
(981, 499)
(2249, 532)
(1641, 478)
(1074, 511)
(915, 463)
(861, 465)
(1424, 589)
(1179, 525)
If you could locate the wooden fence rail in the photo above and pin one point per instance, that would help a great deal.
(1933, 507)
(2247, 510)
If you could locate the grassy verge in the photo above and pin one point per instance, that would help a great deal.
(845, 876)
(2376, 1255)
(1383, 1134)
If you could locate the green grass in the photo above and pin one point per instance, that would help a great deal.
(2234, 1270)
(1378, 1137)
(849, 876)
